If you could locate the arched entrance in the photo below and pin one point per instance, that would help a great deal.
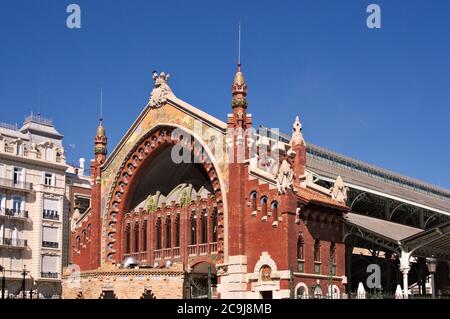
(201, 281)
(161, 210)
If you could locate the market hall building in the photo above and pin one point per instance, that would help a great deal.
(246, 213)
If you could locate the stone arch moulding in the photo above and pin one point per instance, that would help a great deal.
(306, 294)
(146, 148)
(265, 260)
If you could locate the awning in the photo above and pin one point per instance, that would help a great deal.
(400, 238)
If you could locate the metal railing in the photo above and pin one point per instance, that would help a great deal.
(50, 214)
(50, 244)
(13, 242)
(15, 184)
(53, 275)
(14, 213)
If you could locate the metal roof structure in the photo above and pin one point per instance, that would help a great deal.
(327, 165)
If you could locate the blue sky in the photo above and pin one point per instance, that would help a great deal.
(381, 96)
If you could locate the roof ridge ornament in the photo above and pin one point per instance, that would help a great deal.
(297, 136)
(339, 191)
(160, 91)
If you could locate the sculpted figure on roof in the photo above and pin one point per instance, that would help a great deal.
(159, 93)
(339, 190)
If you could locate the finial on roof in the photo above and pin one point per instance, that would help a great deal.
(160, 91)
(297, 136)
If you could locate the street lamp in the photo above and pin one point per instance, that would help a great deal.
(431, 264)
(3, 270)
(24, 274)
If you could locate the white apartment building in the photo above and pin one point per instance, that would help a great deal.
(32, 205)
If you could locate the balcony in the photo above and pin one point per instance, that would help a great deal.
(13, 242)
(14, 213)
(50, 214)
(52, 275)
(50, 244)
(10, 183)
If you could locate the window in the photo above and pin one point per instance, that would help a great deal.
(194, 230)
(136, 237)
(49, 266)
(2, 203)
(144, 235)
(89, 231)
(18, 175)
(274, 209)
(78, 243)
(264, 205)
(253, 197)
(177, 231)
(17, 204)
(204, 229)
(48, 179)
(158, 234)
(84, 233)
(317, 256)
(215, 219)
(127, 239)
(333, 258)
(300, 255)
(51, 209)
(50, 237)
(168, 233)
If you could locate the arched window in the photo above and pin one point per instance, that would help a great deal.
(168, 233)
(204, 225)
(333, 258)
(194, 230)
(144, 235)
(300, 254)
(177, 231)
(158, 234)
(127, 239)
(253, 198)
(274, 209)
(84, 234)
(215, 220)
(89, 231)
(136, 237)
(317, 256)
(78, 243)
(264, 205)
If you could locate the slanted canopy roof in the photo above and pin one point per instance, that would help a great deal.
(398, 237)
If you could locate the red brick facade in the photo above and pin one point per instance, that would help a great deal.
(260, 219)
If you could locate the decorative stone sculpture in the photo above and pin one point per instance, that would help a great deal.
(159, 93)
(297, 136)
(284, 177)
(339, 190)
(75, 217)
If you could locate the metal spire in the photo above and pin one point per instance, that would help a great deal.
(101, 104)
(239, 46)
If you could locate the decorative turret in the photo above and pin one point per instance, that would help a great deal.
(100, 142)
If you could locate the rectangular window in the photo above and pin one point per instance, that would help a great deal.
(50, 237)
(49, 266)
(18, 175)
(317, 256)
(48, 179)
(51, 209)
(17, 204)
